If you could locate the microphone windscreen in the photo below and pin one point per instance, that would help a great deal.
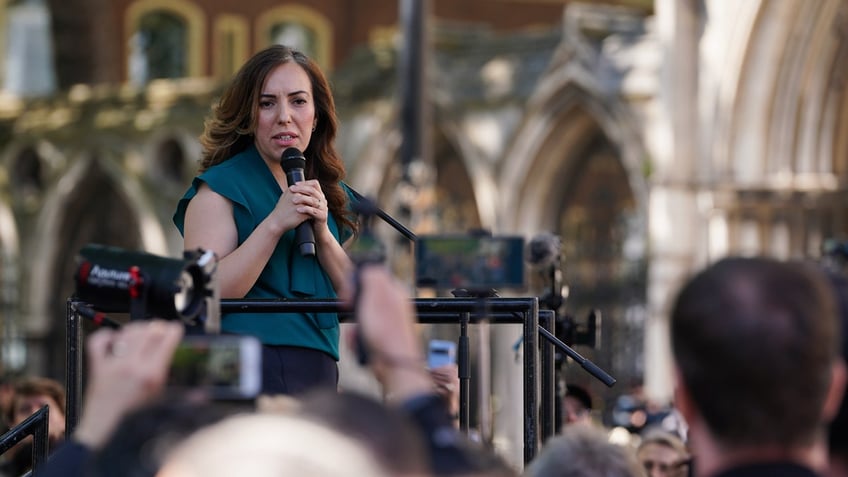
(543, 249)
(293, 159)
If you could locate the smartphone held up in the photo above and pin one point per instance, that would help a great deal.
(220, 367)
(441, 353)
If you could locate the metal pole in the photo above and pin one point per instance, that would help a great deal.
(73, 369)
(464, 364)
(531, 390)
(411, 86)
(414, 117)
(40, 443)
(547, 411)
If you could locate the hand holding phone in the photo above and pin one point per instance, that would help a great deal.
(441, 359)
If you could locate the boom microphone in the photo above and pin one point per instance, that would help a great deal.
(293, 164)
(544, 250)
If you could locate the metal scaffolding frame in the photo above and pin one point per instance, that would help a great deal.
(538, 371)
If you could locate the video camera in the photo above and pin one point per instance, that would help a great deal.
(111, 279)
(222, 367)
(544, 255)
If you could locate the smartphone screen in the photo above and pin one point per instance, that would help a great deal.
(441, 352)
(220, 366)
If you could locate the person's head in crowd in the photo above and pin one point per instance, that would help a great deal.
(143, 439)
(28, 396)
(240, 119)
(756, 349)
(7, 392)
(31, 394)
(576, 405)
(270, 445)
(583, 451)
(662, 454)
(838, 431)
(386, 431)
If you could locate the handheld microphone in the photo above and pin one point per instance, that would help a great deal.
(293, 164)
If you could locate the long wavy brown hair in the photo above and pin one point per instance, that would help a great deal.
(229, 130)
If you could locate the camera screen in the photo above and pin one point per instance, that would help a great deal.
(474, 263)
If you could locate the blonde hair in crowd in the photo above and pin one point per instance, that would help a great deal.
(270, 445)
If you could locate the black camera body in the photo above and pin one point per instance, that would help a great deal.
(111, 279)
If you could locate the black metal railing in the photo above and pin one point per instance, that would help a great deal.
(462, 311)
(36, 426)
(547, 382)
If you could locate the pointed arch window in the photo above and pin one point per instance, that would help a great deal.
(27, 176)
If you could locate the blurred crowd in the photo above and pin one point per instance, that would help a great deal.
(759, 372)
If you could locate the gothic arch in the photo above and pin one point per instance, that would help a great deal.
(377, 170)
(87, 175)
(370, 167)
(720, 85)
(562, 115)
(577, 168)
(27, 177)
(95, 201)
(777, 123)
(780, 100)
(480, 173)
(457, 201)
(170, 158)
(30, 163)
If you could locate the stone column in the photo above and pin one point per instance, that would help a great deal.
(674, 225)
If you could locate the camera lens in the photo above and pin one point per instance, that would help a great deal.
(184, 296)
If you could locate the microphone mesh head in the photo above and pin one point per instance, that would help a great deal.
(293, 159)
(544, 249)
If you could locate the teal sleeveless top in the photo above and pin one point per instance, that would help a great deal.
(247, 182)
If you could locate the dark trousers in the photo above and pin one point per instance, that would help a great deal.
(292, 370)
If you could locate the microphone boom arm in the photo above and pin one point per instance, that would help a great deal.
(589, 366)
(386, 217)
